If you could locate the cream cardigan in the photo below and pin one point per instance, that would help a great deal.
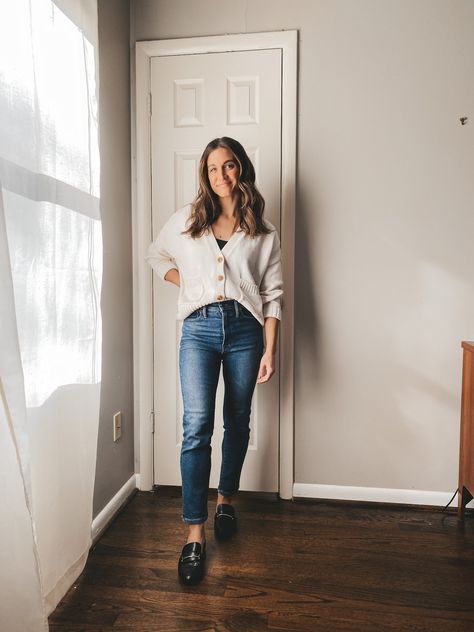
(247, 270)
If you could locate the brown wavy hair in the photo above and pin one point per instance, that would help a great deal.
(206, 207)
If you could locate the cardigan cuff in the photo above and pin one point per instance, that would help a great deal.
(272, 308)
(161, 267)
(165, 268)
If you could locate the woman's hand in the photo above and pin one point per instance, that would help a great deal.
(267, 367)
(267, 363)
(173, 276)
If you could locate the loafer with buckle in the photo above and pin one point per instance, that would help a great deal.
(225, 522)
(191, 562)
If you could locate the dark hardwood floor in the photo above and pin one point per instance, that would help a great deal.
(303, 565)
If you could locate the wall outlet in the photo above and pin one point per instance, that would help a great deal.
(117, 426)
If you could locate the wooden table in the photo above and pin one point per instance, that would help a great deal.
(466, 450)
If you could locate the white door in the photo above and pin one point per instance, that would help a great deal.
(196, 98)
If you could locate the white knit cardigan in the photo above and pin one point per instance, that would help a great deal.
(246, 269)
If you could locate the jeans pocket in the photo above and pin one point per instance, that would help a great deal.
(194, 315)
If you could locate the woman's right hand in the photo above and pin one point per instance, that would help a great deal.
(173, 276)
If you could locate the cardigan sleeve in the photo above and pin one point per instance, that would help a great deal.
(160, 255)
(271, 285)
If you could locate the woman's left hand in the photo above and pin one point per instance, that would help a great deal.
(267, 367)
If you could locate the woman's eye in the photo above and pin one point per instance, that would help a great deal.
(230, 165)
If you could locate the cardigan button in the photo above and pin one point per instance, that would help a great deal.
(220, 259)
(220, 277)
(220, 297)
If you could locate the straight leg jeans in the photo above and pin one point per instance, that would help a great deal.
(224, 332)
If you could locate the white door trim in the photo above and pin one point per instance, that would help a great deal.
(142, 235)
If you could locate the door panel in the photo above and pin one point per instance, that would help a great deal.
(196, 98)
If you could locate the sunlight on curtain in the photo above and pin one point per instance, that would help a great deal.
(21, 595)
(49, 182)
(55, 259)
(50, 176)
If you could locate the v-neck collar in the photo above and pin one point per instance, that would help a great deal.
(229, 245)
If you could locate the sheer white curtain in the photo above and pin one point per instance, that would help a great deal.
(21, 603)
(50, 277)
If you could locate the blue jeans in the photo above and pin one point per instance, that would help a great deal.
(224, 332)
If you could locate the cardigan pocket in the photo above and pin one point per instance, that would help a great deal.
(193, 289)
(248, 286)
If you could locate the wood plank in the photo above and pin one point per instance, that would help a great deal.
(298, 565)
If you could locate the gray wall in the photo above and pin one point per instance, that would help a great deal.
(384, 225)
(115, 461)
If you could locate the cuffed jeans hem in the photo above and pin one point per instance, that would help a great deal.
(228, 494)
(193, 520)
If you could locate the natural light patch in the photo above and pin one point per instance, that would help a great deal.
(49, 176)
(47, 76)
(430, 322)
(56, 259)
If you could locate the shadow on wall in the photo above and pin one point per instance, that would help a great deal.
(308, 340)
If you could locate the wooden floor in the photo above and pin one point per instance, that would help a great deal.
(293, 566)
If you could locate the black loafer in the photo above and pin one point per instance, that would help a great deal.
(225, 522)
(191, 563)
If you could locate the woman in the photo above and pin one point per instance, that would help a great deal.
(225, 258)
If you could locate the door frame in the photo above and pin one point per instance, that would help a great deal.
(142, 235)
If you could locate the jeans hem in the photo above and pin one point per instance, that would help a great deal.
(222, 493)
(194, 520)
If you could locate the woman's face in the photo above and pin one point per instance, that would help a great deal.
(223, 172)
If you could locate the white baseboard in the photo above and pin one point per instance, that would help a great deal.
(104, 518)
(375, 494)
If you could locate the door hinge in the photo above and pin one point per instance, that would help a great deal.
(149, 104)
(152, 421)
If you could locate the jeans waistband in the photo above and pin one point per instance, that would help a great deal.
(229, 305)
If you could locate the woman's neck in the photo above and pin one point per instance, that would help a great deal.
(228, 207)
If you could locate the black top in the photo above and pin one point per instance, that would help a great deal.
(221, 243)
